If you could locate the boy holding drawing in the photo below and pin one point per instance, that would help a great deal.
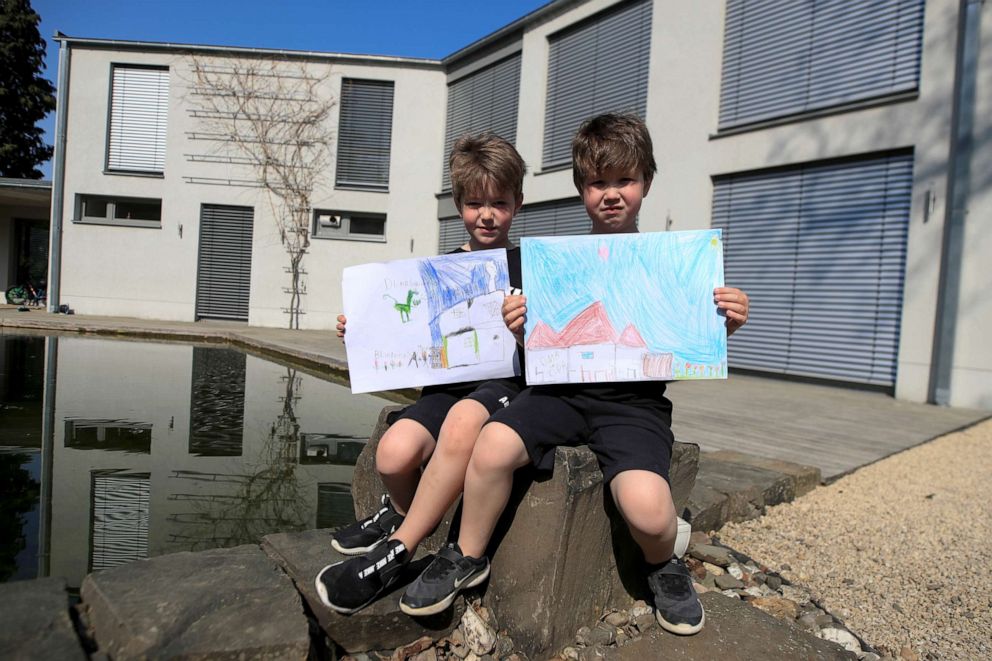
(627, 425)
(442, 426)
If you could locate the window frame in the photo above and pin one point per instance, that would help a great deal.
(348, 140)
(109, 219)
(343, 232)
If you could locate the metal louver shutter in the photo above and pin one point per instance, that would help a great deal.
(558, 218)
(485, 100)
(138, 110)
(335, 505)
(365, 130)
(119, 519)
(592, 70)
(223, 277)
(821, 251)
(783, 58)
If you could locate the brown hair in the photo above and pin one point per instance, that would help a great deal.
(485, 161)
(612, 141)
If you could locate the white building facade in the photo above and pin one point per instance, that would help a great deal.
(843, 148)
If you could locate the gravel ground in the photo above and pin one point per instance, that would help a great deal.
(901, 550)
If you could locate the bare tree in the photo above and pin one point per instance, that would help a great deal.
(270, 119)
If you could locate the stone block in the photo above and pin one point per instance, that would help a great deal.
(222, 603)
(382, 625)
(560, 554)
(35, 623)
(728, 490)
(804, 478)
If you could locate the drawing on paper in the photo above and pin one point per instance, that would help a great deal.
(418, 322)
(631, 307)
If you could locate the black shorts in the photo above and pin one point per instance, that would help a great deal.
(625, 432)
(435, 401)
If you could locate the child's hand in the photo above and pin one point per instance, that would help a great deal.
(515, 314)
(734, 304)
(342, 321)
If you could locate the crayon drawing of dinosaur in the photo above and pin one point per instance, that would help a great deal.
(404, 308)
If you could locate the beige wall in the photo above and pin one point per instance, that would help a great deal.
(151, 273)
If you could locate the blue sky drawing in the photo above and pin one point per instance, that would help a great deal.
(662, 282)
(451, 279)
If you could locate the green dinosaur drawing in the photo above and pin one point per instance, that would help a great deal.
(404, 308)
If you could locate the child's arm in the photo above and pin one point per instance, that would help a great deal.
(342, 321)
(514, 316)
(734, 304)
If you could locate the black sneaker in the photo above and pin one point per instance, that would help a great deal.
(436, 588)
(362, 536)
(676, 603)
(351, 585)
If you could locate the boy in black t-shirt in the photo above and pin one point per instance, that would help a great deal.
(440, 429)
(627, 425)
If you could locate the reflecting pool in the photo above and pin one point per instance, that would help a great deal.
(111, 451)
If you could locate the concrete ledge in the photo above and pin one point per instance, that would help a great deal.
(732, 486)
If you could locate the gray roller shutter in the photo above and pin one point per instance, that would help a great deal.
(558, 218)
(821, 251)
(119, 518)
(139, 107)
(365, 129)
(783, 57)
(223, 277)
(596, 66)
(485, 100)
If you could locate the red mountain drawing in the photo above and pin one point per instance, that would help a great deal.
(543, 337)
(591, 326)
(631, 338)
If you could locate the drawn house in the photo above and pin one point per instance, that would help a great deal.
(463, 325)
(589, 349)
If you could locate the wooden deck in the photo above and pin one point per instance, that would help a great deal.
(833, 428)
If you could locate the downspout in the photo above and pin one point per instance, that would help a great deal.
(958, 196)
(58, 176)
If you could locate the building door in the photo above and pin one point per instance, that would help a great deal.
(821, 251)
(223, 275)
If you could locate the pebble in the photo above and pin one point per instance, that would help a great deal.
(774, 582)
(735, 571)
(645, 621)
(716, 555)
(842, 637)
(601, 634)
(479, 636)
(617, 619)
(783, 609)
(728, 582)
(713, 569)
(797, 595)
(639, 608)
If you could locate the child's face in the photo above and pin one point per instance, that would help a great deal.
(613, 199)
(487, 216)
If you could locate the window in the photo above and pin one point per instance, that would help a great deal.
(591, 71)
(819, 241)
(348, 225)
(139, 103)
(786, 58)
(485, 100)
(364, 134)
(125, 211)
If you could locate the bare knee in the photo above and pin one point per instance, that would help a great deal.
(403, 450)
(645, 501)
(461, 429)
(498, 450)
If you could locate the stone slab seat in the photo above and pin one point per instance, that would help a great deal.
(35, 623)
(560, 554)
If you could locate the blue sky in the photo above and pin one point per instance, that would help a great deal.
(411, 28)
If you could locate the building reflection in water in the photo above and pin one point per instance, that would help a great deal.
(152, 448)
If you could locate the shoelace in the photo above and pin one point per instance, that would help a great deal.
(440, 568)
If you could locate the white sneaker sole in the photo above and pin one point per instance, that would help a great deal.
(324, 599)
(434, 609)
(681, 629)
(356, 550)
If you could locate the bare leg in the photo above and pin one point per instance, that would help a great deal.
(444, 476)
(488, 482)
(645, 501)
(403, 449)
